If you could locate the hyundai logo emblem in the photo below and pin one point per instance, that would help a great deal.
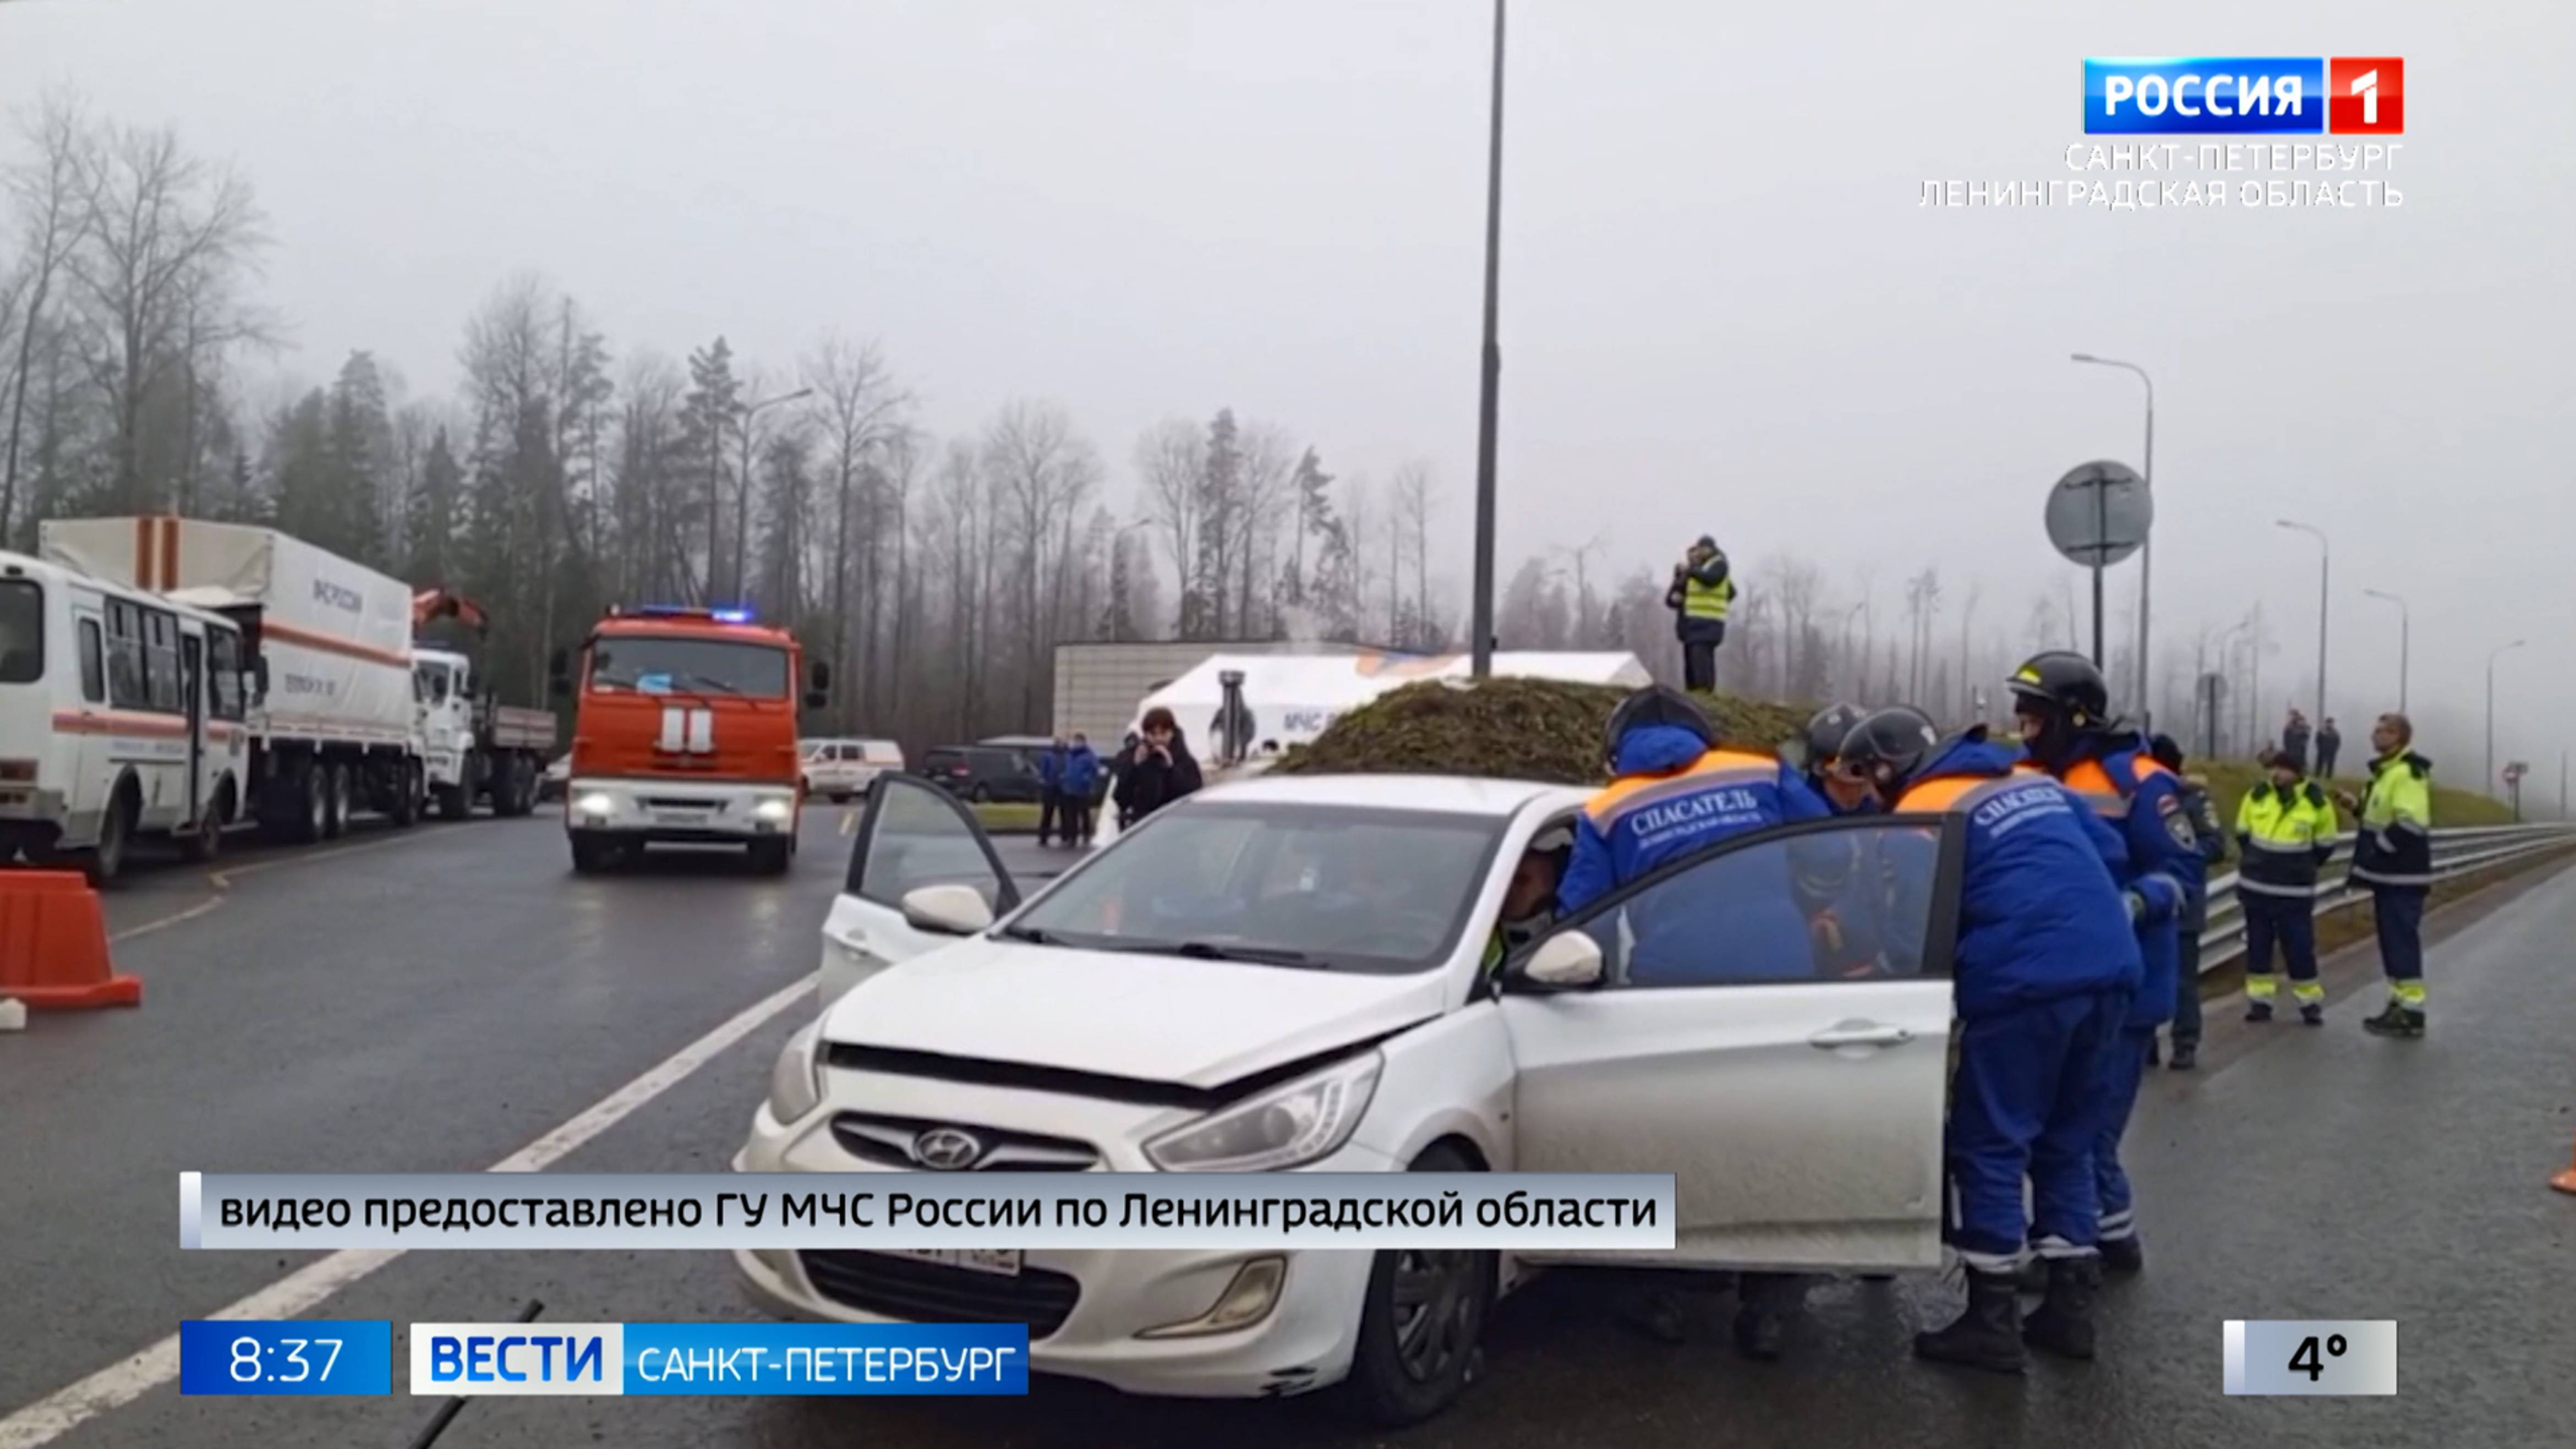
(945, 1149)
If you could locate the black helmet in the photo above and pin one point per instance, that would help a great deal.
(1887, 747)
(1656, 704)
(1825, 732)
(2067, 682)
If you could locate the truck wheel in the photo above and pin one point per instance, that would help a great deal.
(335, 820)
(1419, 1322)
(523, 786)
(454, 803)
(201, 845)
(104, 862)
(591, 852)
(772, 855)
(406, 804)
(315, 818)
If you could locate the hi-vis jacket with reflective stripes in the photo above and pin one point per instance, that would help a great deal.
(2395, 847)
(2040, 915)
(2286, 836)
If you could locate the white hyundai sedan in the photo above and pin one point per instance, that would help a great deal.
(1298, 973)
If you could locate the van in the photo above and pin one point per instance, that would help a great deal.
(841, 768)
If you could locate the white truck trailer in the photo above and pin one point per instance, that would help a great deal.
(333, 722)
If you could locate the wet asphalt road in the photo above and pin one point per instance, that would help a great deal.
(436, 1000)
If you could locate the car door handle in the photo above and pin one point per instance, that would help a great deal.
(1859, 1033)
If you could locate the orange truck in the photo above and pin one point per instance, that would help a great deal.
(685, 732)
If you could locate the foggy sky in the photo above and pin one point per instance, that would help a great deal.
(1723, 309)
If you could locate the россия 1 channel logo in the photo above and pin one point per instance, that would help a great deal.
(2345, 95)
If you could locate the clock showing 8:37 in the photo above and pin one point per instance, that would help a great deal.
(286, 1356)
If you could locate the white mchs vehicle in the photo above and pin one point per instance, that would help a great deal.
(1289, 974)
(122, 713)
(839, 769)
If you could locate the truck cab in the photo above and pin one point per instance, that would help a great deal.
(444, 682)
(685, 732)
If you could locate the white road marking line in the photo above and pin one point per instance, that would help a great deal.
(222, 880)
(122, 1383)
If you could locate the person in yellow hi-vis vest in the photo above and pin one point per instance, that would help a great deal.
(1702, 593)
(2393, 855)
(2285, 830)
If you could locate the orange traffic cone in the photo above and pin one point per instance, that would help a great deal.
(2566, 1181)
(53, 943)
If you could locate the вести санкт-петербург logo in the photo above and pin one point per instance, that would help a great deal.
(2286, 95)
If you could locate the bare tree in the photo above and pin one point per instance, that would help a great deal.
(1414, 503)
(1171, 458)
(50, 194)
(165, 237)
(856, 407)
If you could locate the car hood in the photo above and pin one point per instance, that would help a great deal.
(1152, 1018)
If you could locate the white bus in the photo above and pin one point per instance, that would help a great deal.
(121, 714)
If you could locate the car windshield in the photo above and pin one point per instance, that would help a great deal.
(1333, 887)
(654, 665)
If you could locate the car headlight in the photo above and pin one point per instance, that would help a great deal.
(1284, 1127)
(796, 1082)
(596, 802)
(772, 809)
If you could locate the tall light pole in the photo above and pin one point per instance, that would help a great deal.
(742, 505)
(2492, 656)
(2404, 629)
(2147, 546)
(2324, 561)
(1481, 621)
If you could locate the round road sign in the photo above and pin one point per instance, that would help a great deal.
(2099, 513)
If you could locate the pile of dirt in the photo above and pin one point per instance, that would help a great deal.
(1516, 729)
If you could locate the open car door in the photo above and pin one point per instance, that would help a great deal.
(1772, 1028)
(911, 834)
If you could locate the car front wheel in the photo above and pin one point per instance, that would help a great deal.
(1420, 1322)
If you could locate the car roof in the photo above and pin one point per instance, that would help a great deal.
(1432, 794)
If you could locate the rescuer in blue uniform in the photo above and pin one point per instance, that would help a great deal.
(2043, 968)
(1845, 884)
(2064, 709)
(1675, 792)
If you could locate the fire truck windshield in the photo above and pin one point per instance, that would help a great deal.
(650, 664)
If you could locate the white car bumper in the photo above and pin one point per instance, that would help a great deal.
(679, 809)
(1116, 1296)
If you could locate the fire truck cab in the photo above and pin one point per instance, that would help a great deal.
(685, 731)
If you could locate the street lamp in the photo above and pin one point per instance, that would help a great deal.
(2491, 661)
(1481, 624)
(742, 508)
(2324, 558)
(2405, 628)
(2146, 546)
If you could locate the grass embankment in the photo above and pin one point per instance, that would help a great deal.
(1007, 819)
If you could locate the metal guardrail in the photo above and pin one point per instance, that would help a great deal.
(2456, 852)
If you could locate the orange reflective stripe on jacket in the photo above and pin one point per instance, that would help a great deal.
(1714, 768)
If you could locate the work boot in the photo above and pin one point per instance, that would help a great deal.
(2063, 1325)
(1760, 1332)
(2311, 1014)
(1986, 1335)
(2031, 1276)
(2395, 1021)
(2186, 1055)
(2258, 1011)
(2123, 1255)
(2155, 1052)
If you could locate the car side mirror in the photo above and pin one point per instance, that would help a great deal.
(948, 910)
(259, 678)
(1566, 961)
(818, 677)
(816, 699)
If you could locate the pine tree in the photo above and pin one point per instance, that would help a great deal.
(360, 455)
(429, 523)
(707, 417)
